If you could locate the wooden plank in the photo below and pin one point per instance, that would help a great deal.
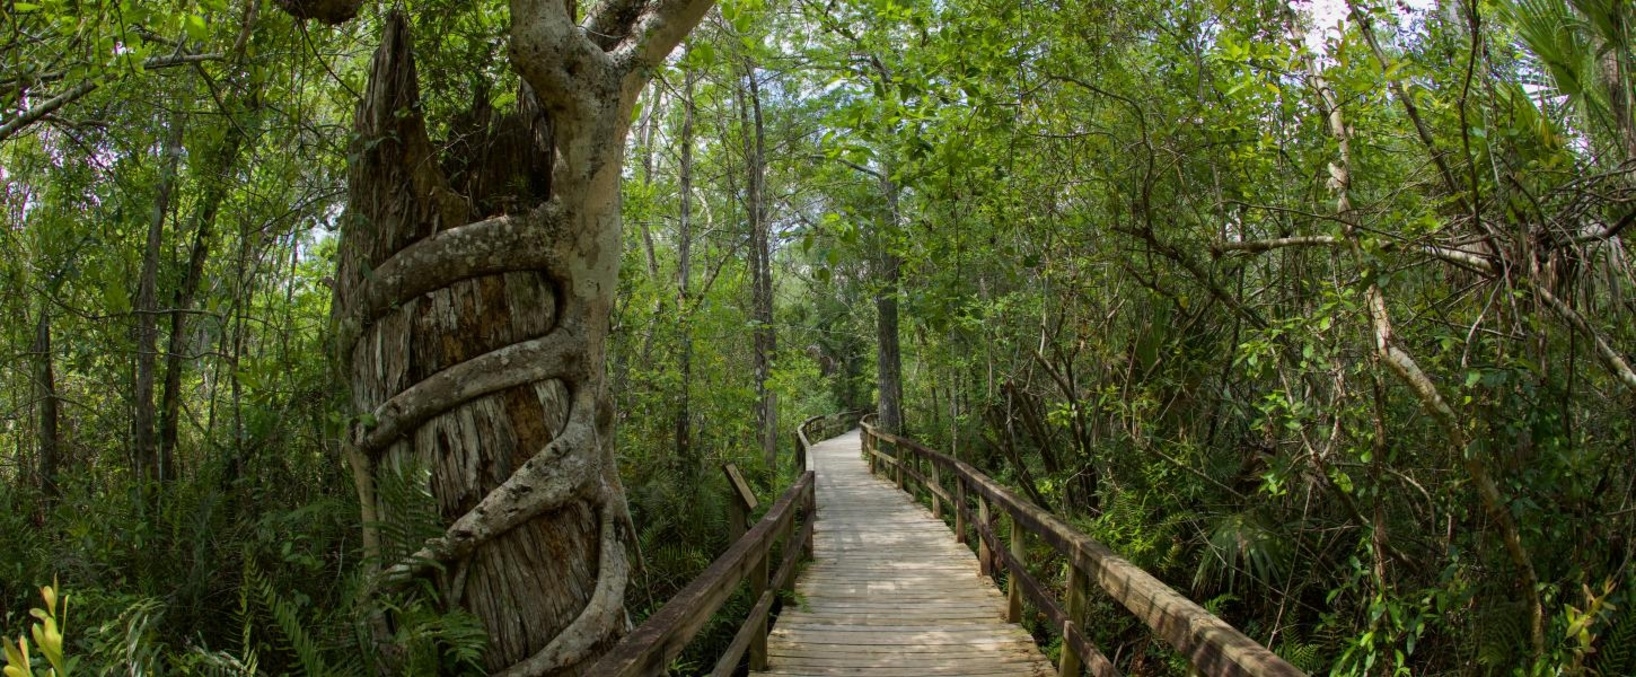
(955, 668)
(755, 624)
(741, 487)
(1209, 644)
(653, 645)
(889, 592)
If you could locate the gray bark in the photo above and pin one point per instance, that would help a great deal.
(684, 275)
(888, 357)
(765, 335)
(474, 339)
(45, 393)
(147, 461)
(203, 224)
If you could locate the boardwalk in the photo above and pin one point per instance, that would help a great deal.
(890, 593)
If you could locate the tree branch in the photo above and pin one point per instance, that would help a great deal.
(498, 245)
(557, 60)
(554, 355)
(1474, 262)
(658, 29)
(32, 115)
(1610, 357)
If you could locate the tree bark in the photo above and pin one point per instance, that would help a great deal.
(475, 339)
(765, 335)
(203, 226)
(684, 273)
(45, 393)
(888, 357)
(147, 462)
(1404, 366)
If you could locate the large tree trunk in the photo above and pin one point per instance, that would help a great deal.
(472, 327)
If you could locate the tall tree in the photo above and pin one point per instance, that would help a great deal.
(684, 271)
(48, 444)
(761, 286)
(148, 462)
(473, 326)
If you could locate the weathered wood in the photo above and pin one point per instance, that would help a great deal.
(755, 625)
(1209, 644)
(938, 493)
(985, 555)
(1047, 606)
(653, 645)
(887, 592)
(1016, 571)
(740, 487)
(1074, 608)
(740, 505)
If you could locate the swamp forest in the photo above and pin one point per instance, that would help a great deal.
(412, 337)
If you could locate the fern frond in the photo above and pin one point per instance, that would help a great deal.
(1616, 652)
(288, 621)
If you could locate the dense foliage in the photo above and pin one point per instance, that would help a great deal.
(1321, 313)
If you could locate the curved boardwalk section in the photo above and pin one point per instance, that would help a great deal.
(889, 592)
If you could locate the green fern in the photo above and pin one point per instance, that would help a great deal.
(1307, 657)
(129, 643)
(1616, 652)
(286, 618)
(1498, 635)
(437, 643)
(409, 513)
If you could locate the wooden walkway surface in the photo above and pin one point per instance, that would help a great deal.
(889, 592)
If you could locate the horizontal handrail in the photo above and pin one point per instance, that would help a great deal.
(1209, 644)
(650, 647)
(822, 426)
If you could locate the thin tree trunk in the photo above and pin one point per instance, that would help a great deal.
(764, 336)
(203, 226)
(1404, 366)
(45, 393)
(148, 464)
(684, 273)
(888, 358)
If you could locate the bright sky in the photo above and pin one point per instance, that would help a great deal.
(1327, 15)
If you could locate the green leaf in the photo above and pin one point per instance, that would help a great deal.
(24, 7)
(196, 27)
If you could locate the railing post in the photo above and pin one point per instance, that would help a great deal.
(869, 445)
(1072, 662)
(897, 455)
(937, 482)
(810, 502)
(740, 505)
(800, 454)
(758, 587)
(1013, 587)
(985, 558)
(960, 508)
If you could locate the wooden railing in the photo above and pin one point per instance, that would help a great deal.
(1208, 643)
(821, 427)
(652, 646)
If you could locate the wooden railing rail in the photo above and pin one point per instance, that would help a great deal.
(821, 427)
(653, 645)
(1212, 646)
